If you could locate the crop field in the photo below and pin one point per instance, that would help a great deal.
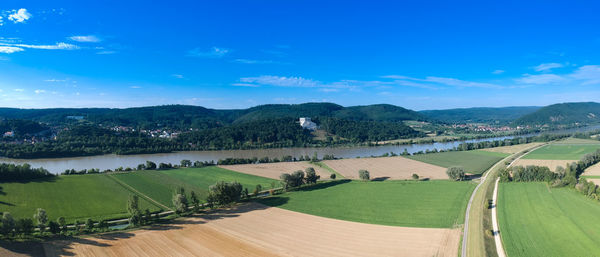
(74, 197)
(475, 162)
(511, 148)
(274, 170)
(257, 230)
(561, 222)
(433, 204)
(551, 164)
(387, 167)
(594, 170)
(160, 185)
(562, 151)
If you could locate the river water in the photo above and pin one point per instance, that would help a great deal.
(112, 161)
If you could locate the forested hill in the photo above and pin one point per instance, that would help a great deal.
(563, 114)
(490, 115)
(185, 116)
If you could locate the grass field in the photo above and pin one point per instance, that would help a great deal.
(75, 197)
(475, 162)
(562, 152)
(160, 185)
(433, 204)
(539, 221)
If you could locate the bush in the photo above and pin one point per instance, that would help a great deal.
(456, 173)
(224, 193)
(364, 175)
(311, 175)
(332, 176)
(415, 176)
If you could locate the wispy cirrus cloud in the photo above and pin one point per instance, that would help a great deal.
(436, 82)
(213, 52)
(547, 66)
(10, 49)
(582, 76)
(86, 39)
(498, 72)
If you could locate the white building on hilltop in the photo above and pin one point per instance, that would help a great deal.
(308, 124)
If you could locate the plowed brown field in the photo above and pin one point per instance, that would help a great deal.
(387, 167)
(274, 170)
(257, 230)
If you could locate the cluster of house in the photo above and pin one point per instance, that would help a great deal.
(9, 134)
(480, 128)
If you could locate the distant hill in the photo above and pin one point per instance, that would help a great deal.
(185, 116)
(563, 114)
(500, 115)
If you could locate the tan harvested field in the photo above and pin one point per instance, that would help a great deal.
(595, 180)
(274, 170)
(257, 230)
(594, 170)
(552, 164)
(387, 167)
(511, 149)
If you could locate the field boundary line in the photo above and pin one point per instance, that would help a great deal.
(128, 187)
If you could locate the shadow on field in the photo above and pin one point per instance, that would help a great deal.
(323, 185)
(231, 212)
(8, 248)
(380, 179)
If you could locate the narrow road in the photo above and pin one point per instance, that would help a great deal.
(497, 239)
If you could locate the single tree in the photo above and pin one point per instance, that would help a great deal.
(456, 173)
(89, 225)
(311, 175)
(257, 190)
(54, 227)
(415, 176)
(332, 176)
(150, 165)
(133, 209)
(180, 203)
(25, 226)
(8, 223)
(364, 175)
(186, 163)
(41, 218)
(195, 201)
(62, 223)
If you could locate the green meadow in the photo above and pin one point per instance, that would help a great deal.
(536, 220)
(435, 204)
(75, 197)
(562, 151)
(475, 161)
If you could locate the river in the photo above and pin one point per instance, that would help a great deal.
(112, 161)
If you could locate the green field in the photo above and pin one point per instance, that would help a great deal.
(475, 162)
(436, 204)
(536, 220)
(75, 197)
(562, 152)
(160, 185)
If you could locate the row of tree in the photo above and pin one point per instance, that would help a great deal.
(13, 172)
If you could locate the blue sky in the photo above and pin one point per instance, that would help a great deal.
(237, 54)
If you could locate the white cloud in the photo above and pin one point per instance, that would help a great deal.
(107, 52)
(278, 81)
(589, 74)
(39, 91)
(1, 21)
(548, 66)
(86, 39)
(434, 82)
(249, 61)
(57, 46)
(10, 49)
(498, 72)
(214, 52)
(540, 79)
(55, 80)
(19, 16)
(244, 85)
(460, 83)
(178, 76)
(19, 90)
(135, 87)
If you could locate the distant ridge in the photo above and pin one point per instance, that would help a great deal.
(563, 114)
(497, 115)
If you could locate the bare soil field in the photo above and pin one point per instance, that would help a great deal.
(595, 180)
(387, 167)
(511, 149)
(552, 164)
(257, 230)
(594, 170)
(274, 170)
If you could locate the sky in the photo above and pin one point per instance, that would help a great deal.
(237, 54)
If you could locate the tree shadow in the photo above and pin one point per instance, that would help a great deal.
(378, 179)
(10, 248)
(5, 203)
(321, 185)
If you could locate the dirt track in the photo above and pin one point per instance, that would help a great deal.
(274, 170)
(387, 167)
(551, 164)
(257, 230)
